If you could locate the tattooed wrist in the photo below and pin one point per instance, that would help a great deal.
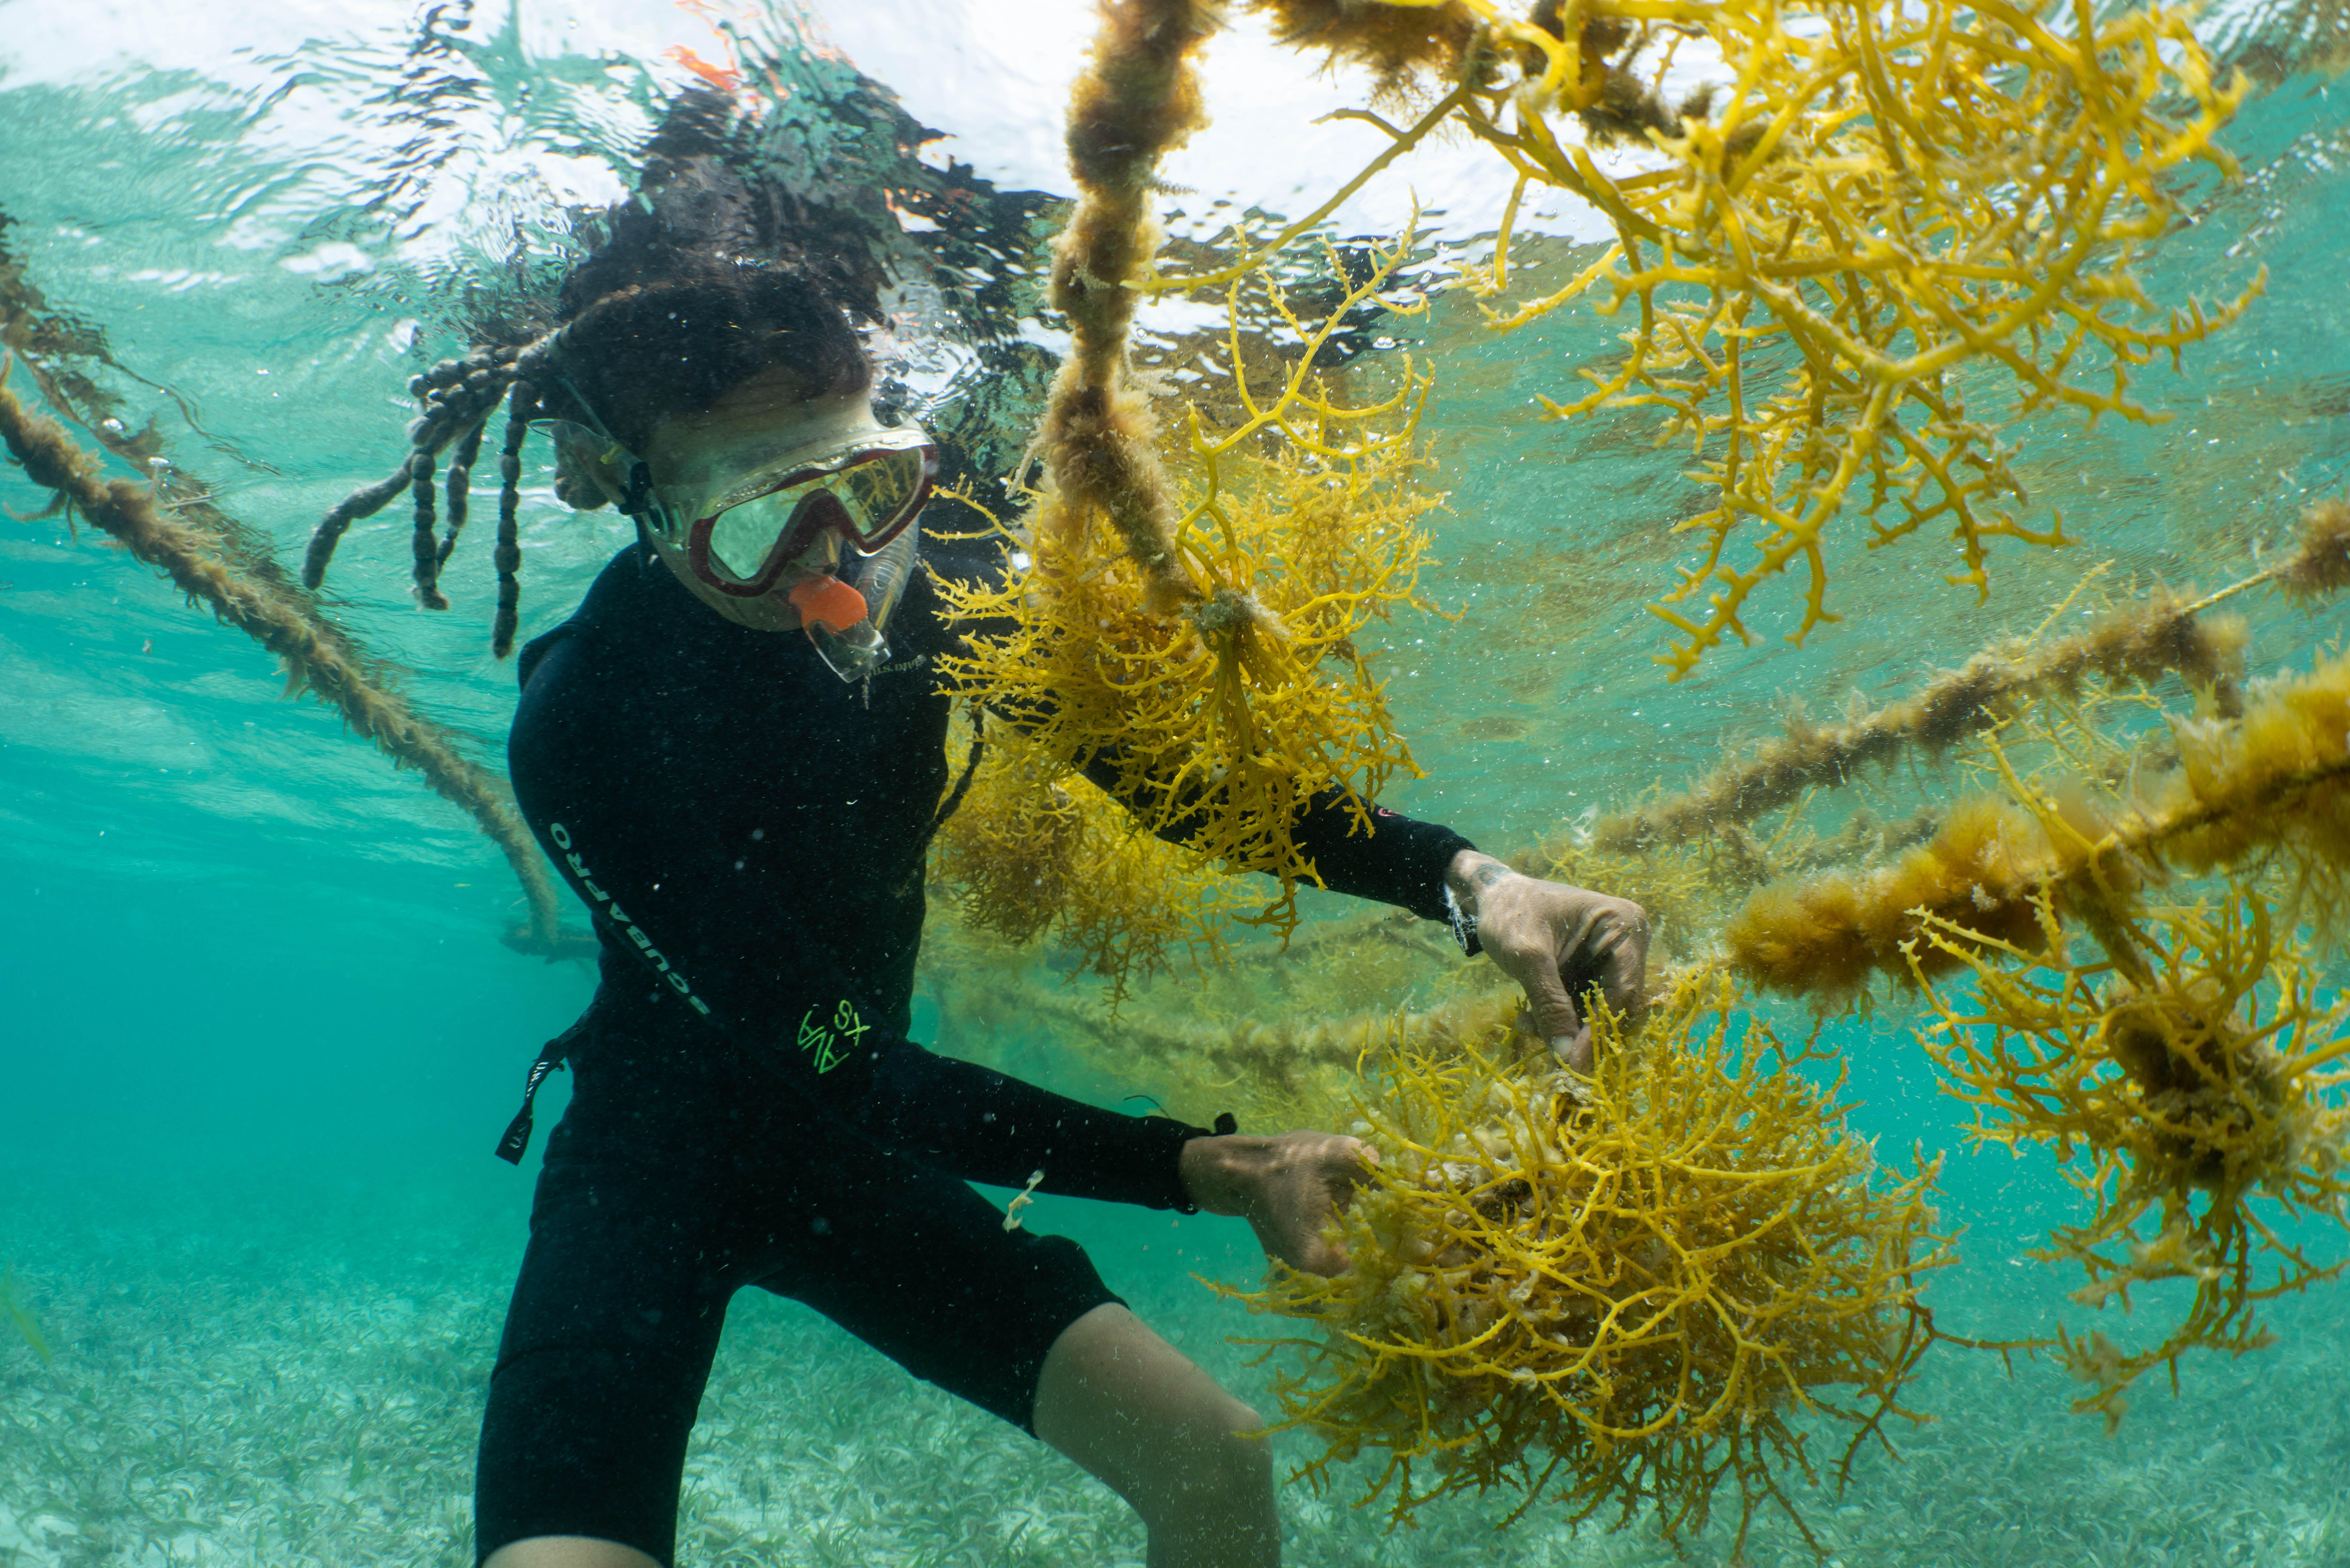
(1472, 873)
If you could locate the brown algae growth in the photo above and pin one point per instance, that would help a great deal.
(1819, 281)
(2266, 793)
(2161, 637)
(2179, 1057)
(1182, 650)
(1623, 1292)
(1029, 856)
(1197, 629)
(1138, 99)
(2142, 643)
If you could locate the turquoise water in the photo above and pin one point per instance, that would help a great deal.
(257, 1035)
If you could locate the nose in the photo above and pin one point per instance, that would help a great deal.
(818, 520)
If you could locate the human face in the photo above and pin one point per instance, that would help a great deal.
(702, 459)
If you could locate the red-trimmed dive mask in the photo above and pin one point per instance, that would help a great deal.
(862, 486)
(839, 500)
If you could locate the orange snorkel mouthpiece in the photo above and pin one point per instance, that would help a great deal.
(829, 603)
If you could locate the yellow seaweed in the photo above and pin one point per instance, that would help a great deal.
(1036, 853)
(1138, 99)
(1298, 525)
(1884, 199)
(2184, 1100)
(2271, 788)
(2268, 789)
(2186, 1074)
(1622, 1291)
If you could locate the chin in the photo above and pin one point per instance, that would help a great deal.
(769, 612)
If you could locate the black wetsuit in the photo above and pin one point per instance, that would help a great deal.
(750, 831)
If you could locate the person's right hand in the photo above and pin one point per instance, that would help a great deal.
(1289, 1189)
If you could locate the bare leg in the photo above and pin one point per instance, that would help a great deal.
(1139, 1416)
(1144, 1420)
(567, 1551)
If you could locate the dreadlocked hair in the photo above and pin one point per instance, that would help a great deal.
(522, 406)
(460, 488)
(680, 329)
(457, 397)
(427, 548)
(714, 279)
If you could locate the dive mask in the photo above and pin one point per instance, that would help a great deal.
(745, 516)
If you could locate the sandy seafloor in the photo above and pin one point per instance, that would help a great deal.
(301, 1383)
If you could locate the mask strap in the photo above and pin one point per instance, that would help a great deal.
(640, 498)
(594, 421)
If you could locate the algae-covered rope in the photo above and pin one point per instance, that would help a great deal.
(1138, 99)
(314, 656)
(2144, 642)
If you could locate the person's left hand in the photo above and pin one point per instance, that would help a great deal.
(1288, 1188)
(1557, 942)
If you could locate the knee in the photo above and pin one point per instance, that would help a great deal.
(1228, 1458)
(1247, 1458)
(1139, 1415)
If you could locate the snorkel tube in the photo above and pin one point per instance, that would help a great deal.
(843, 615)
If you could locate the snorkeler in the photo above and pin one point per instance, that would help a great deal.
(734, 751)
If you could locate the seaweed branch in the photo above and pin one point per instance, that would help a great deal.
(1875, 199)
(2144, 643)
(2270, 788)
(2184, 1096)
(1201, 643)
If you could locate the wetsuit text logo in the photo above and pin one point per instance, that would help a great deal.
(828, 1047)
(609, 907)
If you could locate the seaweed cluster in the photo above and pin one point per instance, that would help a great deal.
(1877, 208)
(1195, 631)
(2171, 1043)
(1138, 99)
(1218, 671)
(1031, 856)
(2199, 1085)
(2269, 791)
(1829, 935)
(1885, 198)
(2262, 794)
(1625, 1290)
(1814, 909)
(1696, 858)
(2176, 1056)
